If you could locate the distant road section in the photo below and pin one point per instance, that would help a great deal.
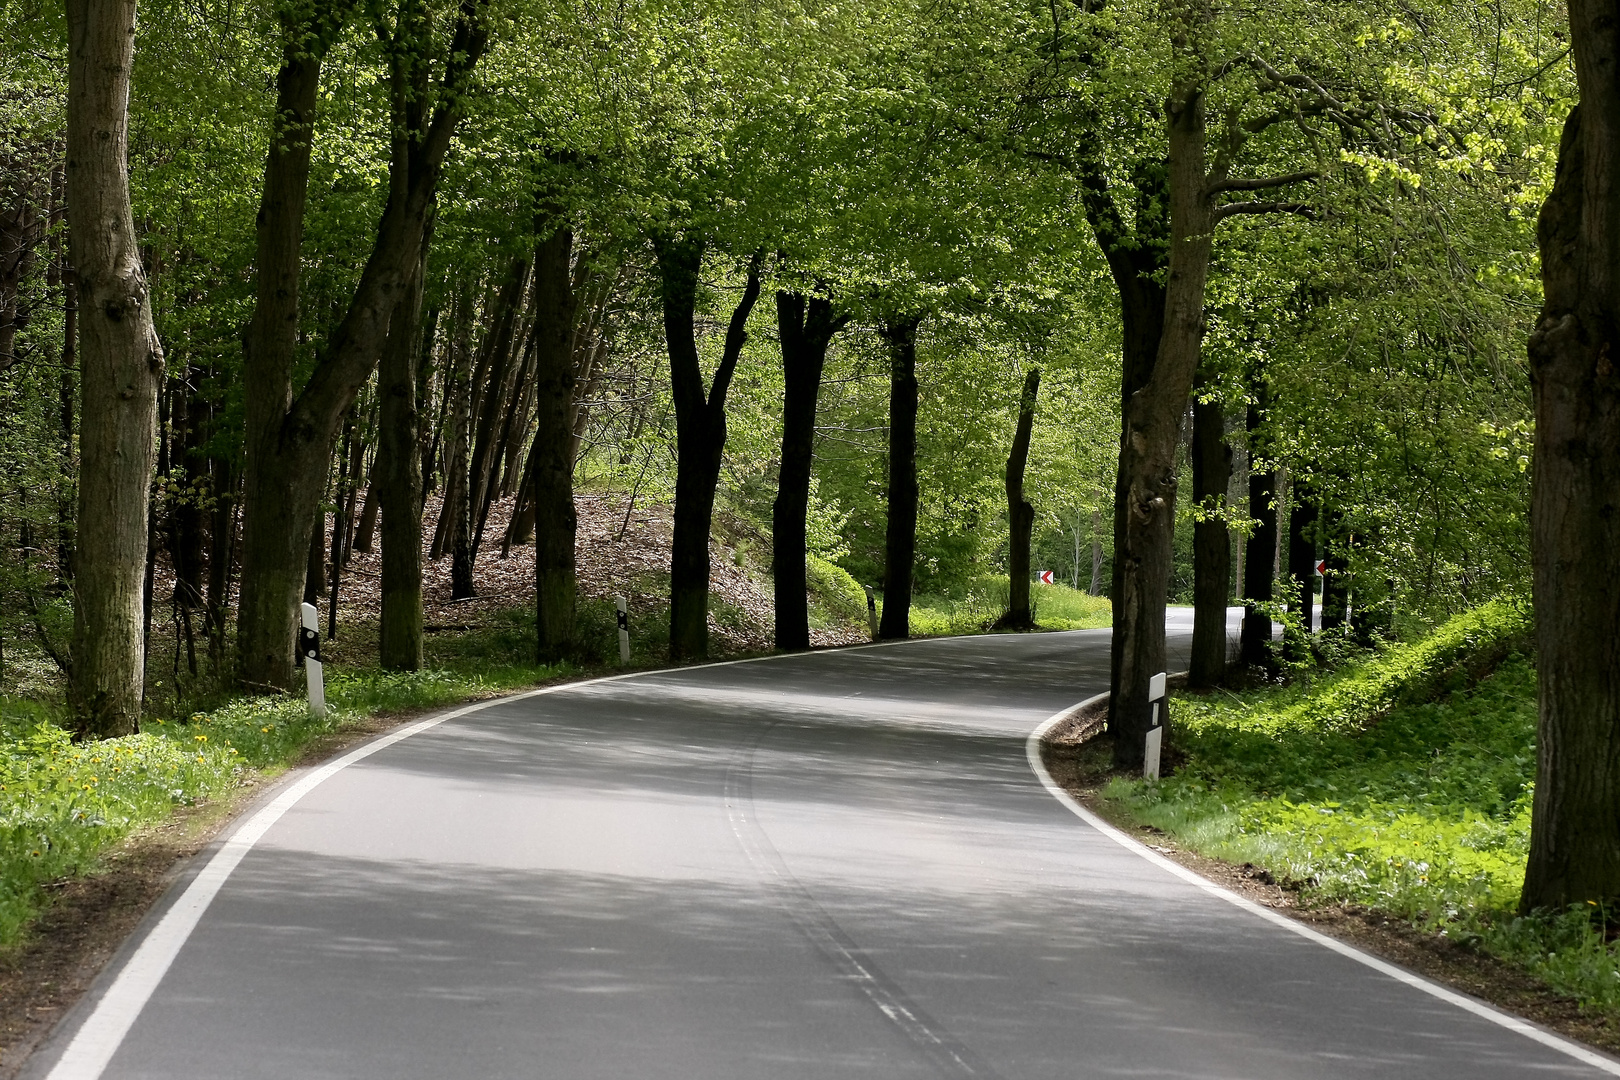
(817, 866)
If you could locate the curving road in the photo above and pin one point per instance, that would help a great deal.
(827, 865)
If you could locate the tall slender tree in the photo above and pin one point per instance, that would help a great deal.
(290, 434)
(700, 432)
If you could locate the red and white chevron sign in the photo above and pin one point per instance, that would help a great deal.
(1045, 577)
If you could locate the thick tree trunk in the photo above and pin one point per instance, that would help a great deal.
(1153, 415)
(1020, 513)
(289, 436)
(1254, 642)
(806, 327)
(121, 365)
(1575, 519)
(550, 482)
(396, 486)
(1212, 543)
(700, 435)
(900, 532)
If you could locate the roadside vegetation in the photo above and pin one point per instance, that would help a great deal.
(1399, 782)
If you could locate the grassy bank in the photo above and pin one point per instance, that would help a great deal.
(1401, 783)
(975, 607)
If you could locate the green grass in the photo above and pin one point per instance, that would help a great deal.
(975, 607)
(1402, 782)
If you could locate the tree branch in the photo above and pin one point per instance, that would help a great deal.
(1257, 207)
(1261, 183)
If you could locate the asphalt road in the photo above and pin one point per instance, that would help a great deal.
(821, 866)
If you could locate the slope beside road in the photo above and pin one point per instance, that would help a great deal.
(820, 865)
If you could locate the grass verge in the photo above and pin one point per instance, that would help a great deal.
(1399, 785)
(975, 607)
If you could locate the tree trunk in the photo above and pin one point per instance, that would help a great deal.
(1254, 643)
(290, 436)
(1147, 462)
(900, 531)
(494, 392)
(806, 327)
(1212, 543)
(1020, 514)
(550, 479)
(121, 364)
(1575, 523)
(1302, 554)
(700, 435)
(1095, 588)
(396, 485)
(1336, 572)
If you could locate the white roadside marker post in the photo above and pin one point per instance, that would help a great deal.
(1155, 735)
(624, 629)
(309, 648)
(871, 610)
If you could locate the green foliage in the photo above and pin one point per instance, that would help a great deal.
(1402, 782)
(838, 597)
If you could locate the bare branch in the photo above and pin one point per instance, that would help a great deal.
(1259, 207)
(1261, 183)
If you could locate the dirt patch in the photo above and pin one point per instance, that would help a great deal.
(1080, 760)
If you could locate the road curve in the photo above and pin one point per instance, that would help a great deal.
(823, 865)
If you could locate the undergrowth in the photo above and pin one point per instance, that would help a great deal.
(1402, 783)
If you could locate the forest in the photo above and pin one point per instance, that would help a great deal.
(900, 299)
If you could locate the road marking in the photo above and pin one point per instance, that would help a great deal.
(947, 1054)
(1032, 751)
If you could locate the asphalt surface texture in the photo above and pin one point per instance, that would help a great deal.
(823, 865)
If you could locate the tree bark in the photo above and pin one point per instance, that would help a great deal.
(806, 327)
(1020, 513)
(494, 390)
(1212, 543)
(1302, 554)
(121, 364)
(1575, 520)
(550, 482)
(1153, 415)
(396, 485)
(289, 436)
(1254, 643)
(900, 531)
(700, 434)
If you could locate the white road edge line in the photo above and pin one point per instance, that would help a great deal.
(99, 1037)
(1032, 750)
